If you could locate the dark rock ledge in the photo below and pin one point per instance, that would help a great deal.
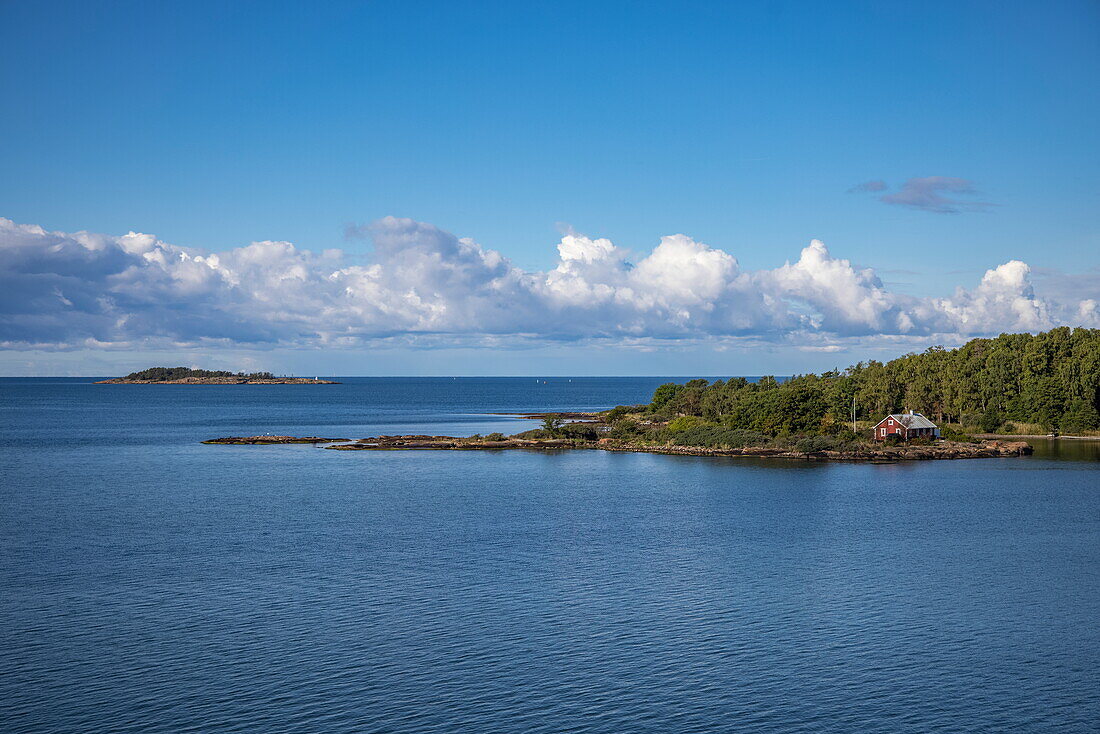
(240, 440)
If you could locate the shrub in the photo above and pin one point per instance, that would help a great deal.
(950, 433)
(625, 428)
(495, 437)
(585, 431)
(687, 422)
(710, 436)
(990, 420)
(812, 444)
(1008, 428)
(786, 443)
(970, 419)
(619, 411)
(534, 433)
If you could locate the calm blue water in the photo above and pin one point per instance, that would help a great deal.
(152, 584)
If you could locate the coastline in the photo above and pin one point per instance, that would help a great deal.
(1021, 436)
(885, 454)
(271, 440)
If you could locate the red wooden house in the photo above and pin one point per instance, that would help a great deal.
(905, 425)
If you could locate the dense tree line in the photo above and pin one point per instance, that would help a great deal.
(1051, 380)
(164, 374)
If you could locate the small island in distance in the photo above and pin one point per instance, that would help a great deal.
(188, 376)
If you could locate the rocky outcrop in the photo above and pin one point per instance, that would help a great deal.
(251, 440)
(940, 450)
(393, 443)
(587, 417)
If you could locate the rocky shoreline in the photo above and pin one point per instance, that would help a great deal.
(261, 440)
(585, 417)
(1046, 437)
(887, 454)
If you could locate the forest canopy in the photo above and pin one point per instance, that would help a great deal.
(1051, 380)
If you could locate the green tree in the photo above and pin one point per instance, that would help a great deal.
(1052, 379)
(552, 424)
(1080, 415)
(1047, 401)
(664, 394)
(991, 420)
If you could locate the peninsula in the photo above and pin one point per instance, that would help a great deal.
(188, 376)
(497, 442)
(1001, 390)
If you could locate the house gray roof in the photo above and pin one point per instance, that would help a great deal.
(911, 420)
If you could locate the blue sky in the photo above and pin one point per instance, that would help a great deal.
(741, 125)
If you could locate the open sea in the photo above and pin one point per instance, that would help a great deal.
(149, 583)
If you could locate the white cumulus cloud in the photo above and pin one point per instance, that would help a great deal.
(427, 286)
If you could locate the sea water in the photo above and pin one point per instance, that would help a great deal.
(149, 583)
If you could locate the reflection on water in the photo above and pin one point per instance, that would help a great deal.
(1066, 449)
